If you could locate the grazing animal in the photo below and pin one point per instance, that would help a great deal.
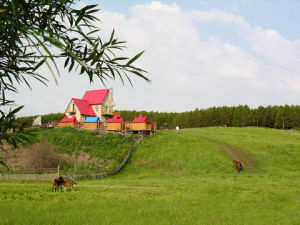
(238, 165)
(57, 182)
(69, 184)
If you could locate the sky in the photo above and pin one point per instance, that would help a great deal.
(198, 54)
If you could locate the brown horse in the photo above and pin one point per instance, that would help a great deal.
(69, 184)
(238, 165)
(57, 182)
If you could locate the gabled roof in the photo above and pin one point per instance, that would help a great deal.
(92, 119)
(95, 97)
(115, 119)
(67, 119)
(140, 119)
(84, 107)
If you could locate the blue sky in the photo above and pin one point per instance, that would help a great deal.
(282, 15)
(198, 54)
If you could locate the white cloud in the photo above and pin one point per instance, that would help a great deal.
(187, 68)
(215, 15)
(156, 6)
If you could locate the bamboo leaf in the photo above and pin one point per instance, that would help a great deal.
(48, 65)
(14, 6)
(47, 51)
(134, 58)
(71, 66)
(39, 64)
(111, 71)
(112, 36)
(119, 59)
(140, 75)
(66, 62)
(13, 112)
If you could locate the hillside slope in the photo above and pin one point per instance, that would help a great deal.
(196, 152)
(68, 147)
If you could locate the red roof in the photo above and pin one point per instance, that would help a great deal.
(140, 119)
(95, 97)
(84, 107)
(67, 119)
(115, 119)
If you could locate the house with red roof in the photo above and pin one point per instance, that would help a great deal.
(94, 103)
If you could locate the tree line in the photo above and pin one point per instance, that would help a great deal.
(280, 117)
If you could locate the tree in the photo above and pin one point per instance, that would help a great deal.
(241, 116)
(280, 118)
(36, 33)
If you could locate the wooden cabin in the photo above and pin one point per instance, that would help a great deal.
(92, 123)
(94, 103)
(68, 122)
(142, 124)
(116, 123)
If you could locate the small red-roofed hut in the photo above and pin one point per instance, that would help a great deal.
(67, 122)
(115, 123)
(141, 124)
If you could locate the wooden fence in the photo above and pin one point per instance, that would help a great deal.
(30, 174)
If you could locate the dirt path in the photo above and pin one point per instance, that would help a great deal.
(246, 159)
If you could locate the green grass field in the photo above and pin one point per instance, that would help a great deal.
(184, 178)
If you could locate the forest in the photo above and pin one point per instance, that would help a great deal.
(280, 117)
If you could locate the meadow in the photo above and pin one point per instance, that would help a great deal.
(185, 178)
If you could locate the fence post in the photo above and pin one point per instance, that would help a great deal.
(34, 172)
(58, 170)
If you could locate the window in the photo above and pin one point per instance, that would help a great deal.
(96, 108)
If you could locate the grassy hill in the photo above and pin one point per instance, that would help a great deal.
(185, 178)
(67, 146)
(69, 140)
(196, 152)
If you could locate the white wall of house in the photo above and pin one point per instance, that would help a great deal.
(97, 109)
(108, 103)
(73, 108)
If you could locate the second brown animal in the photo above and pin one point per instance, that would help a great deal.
(238, 165)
